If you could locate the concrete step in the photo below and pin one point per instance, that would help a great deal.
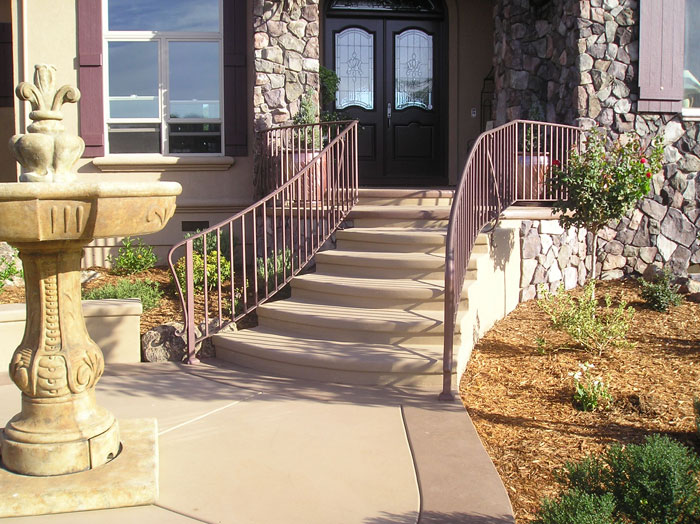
(390, 293)
(413, 216)
(271, 351)
(425, 266)
(394, 239)
(346, 323)
(406, 197)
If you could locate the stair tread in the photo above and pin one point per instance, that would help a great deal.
(435, 236)
(406, 193)
(360, 356)
(371, 286)
(385, 258)
(350, 317)
(412, 211)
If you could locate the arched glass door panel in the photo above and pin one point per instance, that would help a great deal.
(354, 58)
(413, 71)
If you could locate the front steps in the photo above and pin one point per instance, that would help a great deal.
(372, 313)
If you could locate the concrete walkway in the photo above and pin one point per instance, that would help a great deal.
(240, 447)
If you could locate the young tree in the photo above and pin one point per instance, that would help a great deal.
(604, 182)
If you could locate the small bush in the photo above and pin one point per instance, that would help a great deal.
(654, 482)
(662, 293)
(576, 507)
(593, 327)
(133, 257)
(8, 269)
(590, 394)
(277, 267)
(146, 290)
(198, 271)
(224, 243)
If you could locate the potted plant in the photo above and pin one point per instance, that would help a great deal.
(533, 163)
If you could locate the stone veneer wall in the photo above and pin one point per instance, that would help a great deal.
(286, 58)
(551, 257)
(599, 65)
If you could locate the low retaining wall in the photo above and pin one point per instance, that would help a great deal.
(113, 324)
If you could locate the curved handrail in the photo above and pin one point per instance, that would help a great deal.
(516, 158)
(273, 239)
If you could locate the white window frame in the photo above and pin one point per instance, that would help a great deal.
(689, 113)
(163, 38)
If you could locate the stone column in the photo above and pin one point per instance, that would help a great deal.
(60, 429)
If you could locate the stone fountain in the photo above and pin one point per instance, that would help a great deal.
(61, 430)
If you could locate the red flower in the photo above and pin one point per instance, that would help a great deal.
(649, 174)
(556, 163)
(643, 160)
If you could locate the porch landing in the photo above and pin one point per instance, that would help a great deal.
(243, 447)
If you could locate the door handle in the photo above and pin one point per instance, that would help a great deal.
(388, 114)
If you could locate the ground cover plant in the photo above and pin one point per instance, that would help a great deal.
(661, 293)
(8, 269)
(521, 399)
(132, 257)
(145, 290)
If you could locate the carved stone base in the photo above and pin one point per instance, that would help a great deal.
(47, 438)
(129, 480)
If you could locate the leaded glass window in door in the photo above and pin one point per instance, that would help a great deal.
(354, 63)
(413, 69)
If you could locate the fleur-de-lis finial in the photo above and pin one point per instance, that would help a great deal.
(47, 152)
(45, 99)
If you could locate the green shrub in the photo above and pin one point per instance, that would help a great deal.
(224, 243)
(652, 483)
(276, 266)
(8, 269)
(146, 290)
(590, 393)
(576, 507)
(329, 85)
(593, 327)
(133, 257)
(198, 271)
(662, 293)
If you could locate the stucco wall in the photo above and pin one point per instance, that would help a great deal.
(598, 85)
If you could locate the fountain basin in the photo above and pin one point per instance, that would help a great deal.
(41, 212)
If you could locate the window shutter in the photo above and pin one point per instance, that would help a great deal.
(661, 58)
(235, 81)
(90, 75)
(6, 98)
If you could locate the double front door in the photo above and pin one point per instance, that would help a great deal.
(391, 80)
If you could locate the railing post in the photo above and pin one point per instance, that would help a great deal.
(189, 287)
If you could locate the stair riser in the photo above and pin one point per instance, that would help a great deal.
(323, 297)
(383, 201)
(431, 376)
(391, 247)
(379, 272)
(433, 337)
(398, 222)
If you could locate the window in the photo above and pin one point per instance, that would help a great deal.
(691, 71)
(93, 74)
(163, 76)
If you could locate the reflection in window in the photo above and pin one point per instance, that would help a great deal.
(133, 79)
(354, 64)
(413, 82)
(163, 15)
(691, 75)
(194, 79)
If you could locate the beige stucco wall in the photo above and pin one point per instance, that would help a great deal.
(209, 192)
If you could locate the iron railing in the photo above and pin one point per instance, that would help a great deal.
(507, 164)
(229, 269)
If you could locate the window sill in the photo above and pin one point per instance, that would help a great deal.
(160, 163)
(692, 115)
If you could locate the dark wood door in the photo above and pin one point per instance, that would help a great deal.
(392, 80)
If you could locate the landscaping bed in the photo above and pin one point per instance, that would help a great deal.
(519, 393)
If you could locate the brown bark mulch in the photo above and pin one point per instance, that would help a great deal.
(520, 398)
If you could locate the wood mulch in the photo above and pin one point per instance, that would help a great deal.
(520, 399)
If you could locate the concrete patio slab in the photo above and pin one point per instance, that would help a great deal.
(238, 446)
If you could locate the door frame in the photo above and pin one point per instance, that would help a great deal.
(441, 81)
